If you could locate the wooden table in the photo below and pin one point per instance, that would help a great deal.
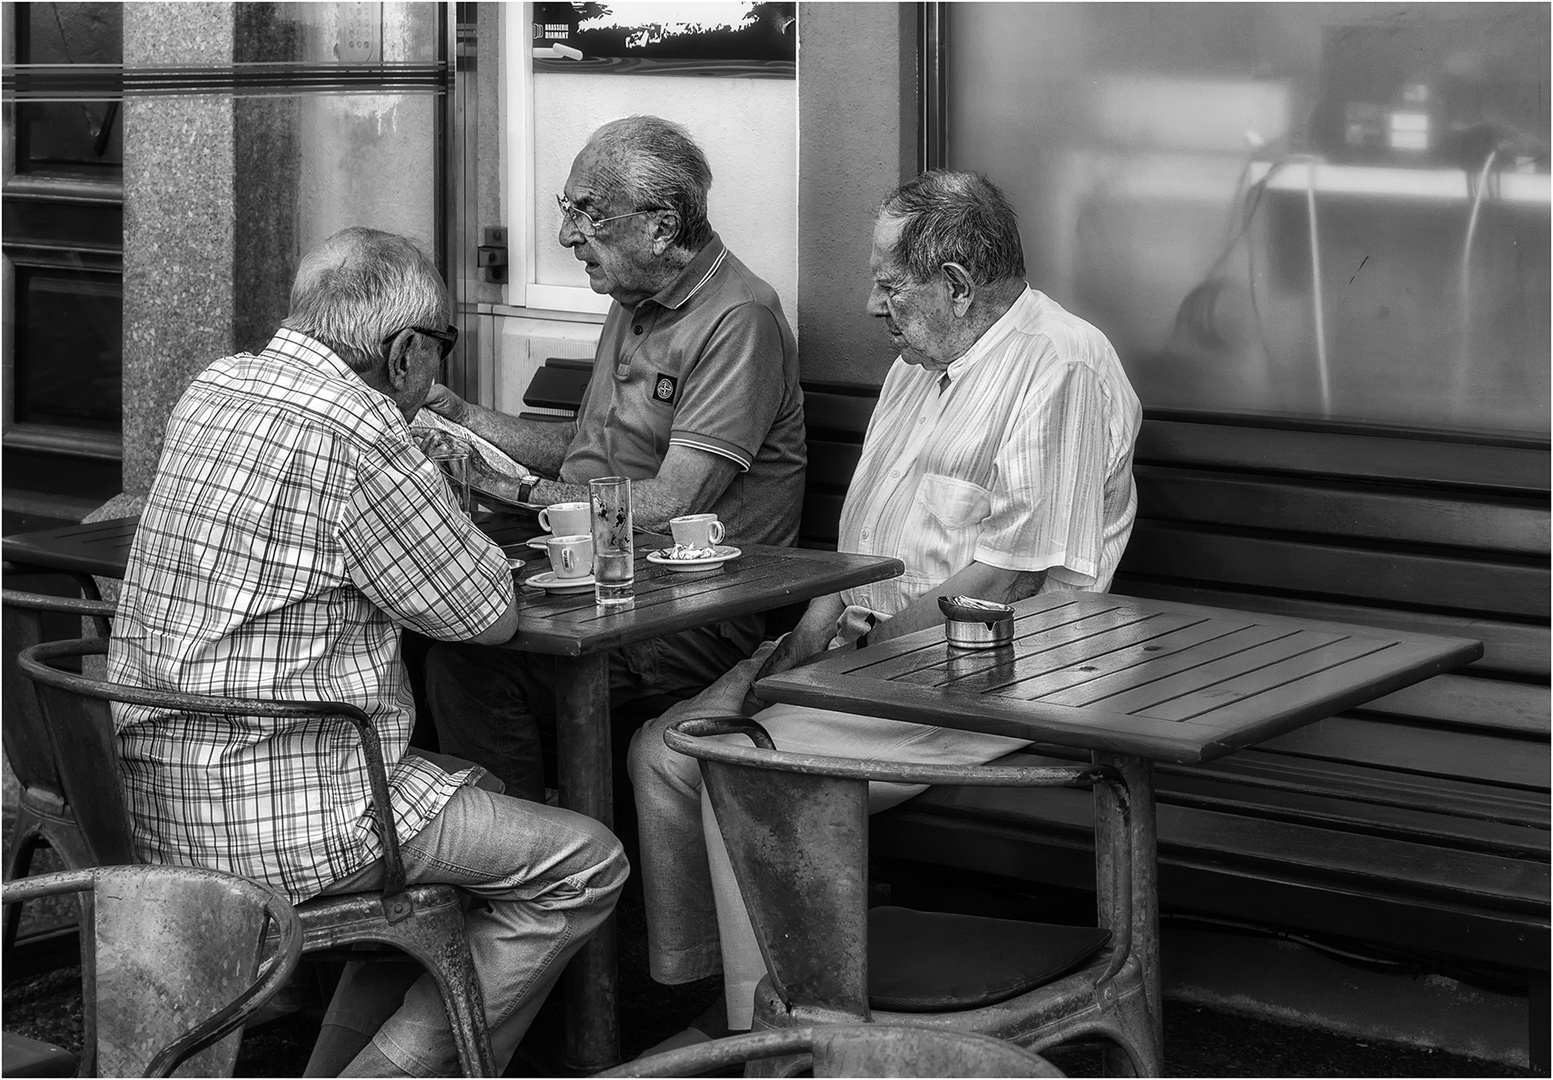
(1132, 681)
(580, 634)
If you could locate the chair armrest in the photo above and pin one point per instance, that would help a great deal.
(99, 611)
(34, 661)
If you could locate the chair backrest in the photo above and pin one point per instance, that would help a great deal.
(76, 713)
(796, 829)
(27, 745)
(854, 1050)
(181, 957)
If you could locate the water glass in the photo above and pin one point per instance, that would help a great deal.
(453, 460)
(614, 568)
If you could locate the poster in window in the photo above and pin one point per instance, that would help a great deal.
(755, 39)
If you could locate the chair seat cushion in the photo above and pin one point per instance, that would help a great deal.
(930, 961)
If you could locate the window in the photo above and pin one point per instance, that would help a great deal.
(1328, 212)
(746, 124)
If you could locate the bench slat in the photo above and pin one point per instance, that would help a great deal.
(1320, 853)
(1369, 457)
(1164, 550)
(1265, 782)
(1488, 704)
(1442, 752)
(1352, 511)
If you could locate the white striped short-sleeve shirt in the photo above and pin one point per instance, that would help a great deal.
(1024, 461)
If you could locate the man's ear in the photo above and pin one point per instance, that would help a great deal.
(663, 230)
(962, 287)
(398, 367)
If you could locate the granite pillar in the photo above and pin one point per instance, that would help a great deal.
(179, 223)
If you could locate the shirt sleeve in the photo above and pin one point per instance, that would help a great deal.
(1048, 501)
(731, 395)
(414, 554)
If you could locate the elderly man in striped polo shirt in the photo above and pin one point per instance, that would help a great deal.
(998, 464)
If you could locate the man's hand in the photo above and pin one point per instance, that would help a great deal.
(488, 481)
(444, 402)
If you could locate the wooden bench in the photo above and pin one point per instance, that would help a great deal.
(1416, 827)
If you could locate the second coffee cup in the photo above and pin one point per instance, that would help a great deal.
(570, 556)
(697, 530)
(565, 518)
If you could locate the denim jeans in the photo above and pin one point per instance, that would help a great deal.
(696, 917)
(550, 878)
(487, 704)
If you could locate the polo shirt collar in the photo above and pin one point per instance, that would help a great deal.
(691, 279)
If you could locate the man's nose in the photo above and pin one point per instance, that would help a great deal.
(876, 305)
(569, 235)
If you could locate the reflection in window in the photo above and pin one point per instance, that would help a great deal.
(1313, 211)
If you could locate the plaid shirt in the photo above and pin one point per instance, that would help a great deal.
(292, 529)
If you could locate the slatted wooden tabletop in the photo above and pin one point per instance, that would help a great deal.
(1157, 679)
(762, 578)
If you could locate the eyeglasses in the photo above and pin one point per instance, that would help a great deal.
(446, 339)
(589, 225)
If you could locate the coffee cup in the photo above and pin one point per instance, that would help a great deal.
(571, 556)
(566, 518)
(697, 530)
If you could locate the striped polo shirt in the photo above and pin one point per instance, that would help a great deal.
(1023, 461)
(708, 362)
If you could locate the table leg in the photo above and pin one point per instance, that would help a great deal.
(1143, 843)
(584, 766)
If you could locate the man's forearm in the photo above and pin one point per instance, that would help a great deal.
(539, 444)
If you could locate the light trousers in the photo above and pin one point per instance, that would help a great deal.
(548, 878)
(696, 918)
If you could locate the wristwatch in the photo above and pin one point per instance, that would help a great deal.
(526, 487)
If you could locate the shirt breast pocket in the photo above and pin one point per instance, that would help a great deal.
(954, 503)
(941, 534)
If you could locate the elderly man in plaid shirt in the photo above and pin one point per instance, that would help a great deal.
(293, 529)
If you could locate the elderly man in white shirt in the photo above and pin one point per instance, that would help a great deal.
(998, 464)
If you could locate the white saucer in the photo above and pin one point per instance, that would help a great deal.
(550, 583)
(722, 553)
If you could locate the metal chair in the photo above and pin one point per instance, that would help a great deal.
(42, 814)
(174, 960)
(424, 921)
(853, 1050)
(796, 828)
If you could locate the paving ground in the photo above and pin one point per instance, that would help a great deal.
(1198, 1041)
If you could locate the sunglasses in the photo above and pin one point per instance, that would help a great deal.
(446, 339)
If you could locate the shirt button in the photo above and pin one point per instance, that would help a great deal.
(895, 474)
(921, 419)
(865, 534)
(636, 329)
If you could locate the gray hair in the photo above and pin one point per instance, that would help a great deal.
(661, 167)
(958, 217)
(360, 286)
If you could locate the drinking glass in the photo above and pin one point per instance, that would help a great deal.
(451, 455)
(613, 557)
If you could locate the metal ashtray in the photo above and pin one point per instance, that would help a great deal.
(970, 623)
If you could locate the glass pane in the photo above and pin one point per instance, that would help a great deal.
(68, 327)
(1333, 211)
(70, 137)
